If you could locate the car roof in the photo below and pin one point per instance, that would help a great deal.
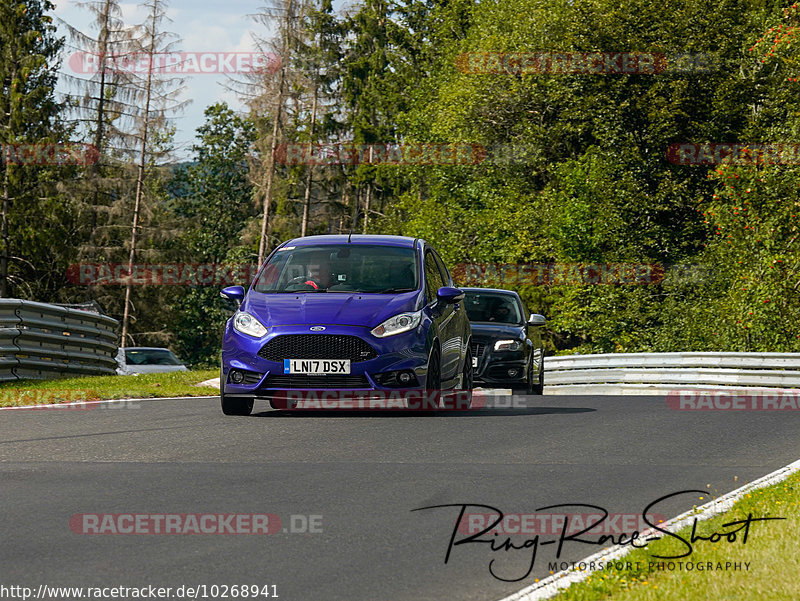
(355, 239)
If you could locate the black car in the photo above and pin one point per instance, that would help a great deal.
(507, 348)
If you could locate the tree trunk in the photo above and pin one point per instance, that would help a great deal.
(6, 241)
(263, 243)
(101, 99)
(139, 187)
(4, 258)
(346, 201)
(310, 173)
(367, 200)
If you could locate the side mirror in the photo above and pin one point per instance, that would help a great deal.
(234, 293)
(536, 320)
(449, 295)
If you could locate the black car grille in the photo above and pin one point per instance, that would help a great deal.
(477, 349)
(315, 381)
(317, 346)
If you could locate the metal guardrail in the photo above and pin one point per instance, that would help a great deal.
(658, 373)
(42, 341)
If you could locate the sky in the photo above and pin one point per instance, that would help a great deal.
(210, 26)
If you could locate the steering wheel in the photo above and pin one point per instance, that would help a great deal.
(305, 280)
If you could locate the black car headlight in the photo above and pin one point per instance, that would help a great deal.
(507, 345)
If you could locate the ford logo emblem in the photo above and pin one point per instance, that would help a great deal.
(316, 328)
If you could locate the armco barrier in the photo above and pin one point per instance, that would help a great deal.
(658, 373)
(44, 341)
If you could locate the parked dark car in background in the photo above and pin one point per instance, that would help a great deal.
(506, 345)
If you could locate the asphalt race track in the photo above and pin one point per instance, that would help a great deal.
(361, 474)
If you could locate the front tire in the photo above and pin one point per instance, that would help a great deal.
(463, 400)
(433, 384)
(233, 405)
(236, 405)
(537, 386)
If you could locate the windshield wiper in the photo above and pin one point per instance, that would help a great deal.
(387, 290)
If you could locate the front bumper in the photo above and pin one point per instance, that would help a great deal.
(266, 378)
(493, 366)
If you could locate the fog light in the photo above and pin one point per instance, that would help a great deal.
(237, 377)
(404, 377)
(513, 372)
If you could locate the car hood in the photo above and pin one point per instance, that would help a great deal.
(328, 308)
(500, 330)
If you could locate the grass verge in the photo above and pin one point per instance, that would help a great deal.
(93, 388)
(772, 551)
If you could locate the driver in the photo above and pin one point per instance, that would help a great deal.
(500, 314)
(314, 277)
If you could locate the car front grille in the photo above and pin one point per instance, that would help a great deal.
(477, 349)
(317, 346)
(315, 381)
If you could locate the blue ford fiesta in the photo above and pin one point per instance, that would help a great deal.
(348, 313)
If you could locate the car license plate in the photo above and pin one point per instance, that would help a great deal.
(316, 366)
(474, 362)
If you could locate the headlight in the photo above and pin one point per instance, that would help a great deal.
(398, 324)
(507, 345)
(247, 324)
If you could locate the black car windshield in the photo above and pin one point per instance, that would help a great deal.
(151, 357)
(492, 308)
(339, 268)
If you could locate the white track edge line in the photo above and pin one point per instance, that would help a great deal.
(552, 585)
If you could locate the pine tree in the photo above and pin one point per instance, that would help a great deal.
(29, 114)
(102, 101)
(319, 55)
(156, 92)
(266, 96)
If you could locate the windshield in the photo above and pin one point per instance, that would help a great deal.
(151, 357)
(339, 268)
(492, 308)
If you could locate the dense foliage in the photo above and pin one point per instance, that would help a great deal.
(580, 170)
